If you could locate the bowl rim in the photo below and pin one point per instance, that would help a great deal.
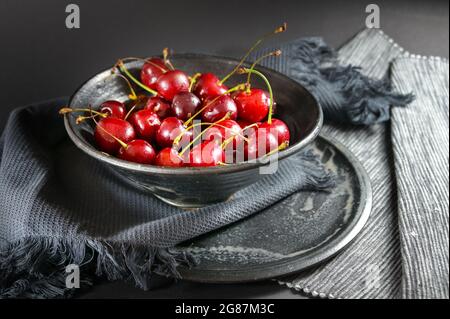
(146, 168)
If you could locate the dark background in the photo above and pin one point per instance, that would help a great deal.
(41, 59)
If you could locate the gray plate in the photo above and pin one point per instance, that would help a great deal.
(294, 234)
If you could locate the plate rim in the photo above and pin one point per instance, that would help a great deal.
(329, 249)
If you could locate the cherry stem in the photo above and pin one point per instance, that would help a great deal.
(269, 87)
(156, 65)
(166, 60)
(66, 110)
(235, 88)
(132, 94)
(281, 147)
(145, 60)
(249, 126)
(131, 110)
(122, 143)
(273, 53)
(177, 139)
(226, 142)
(83, 118)
(193, 81)
(201, 133)
(124, 70)
(280, 29)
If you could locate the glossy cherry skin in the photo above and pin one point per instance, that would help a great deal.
(227, 129)
(169, 157)
(138, 151)
(281, 130)
(208, 86)
(207, 153)
(218, 107)
(151, 71)
(159, 106)
(171, 83)
(260, 143)
(252, 106)
(170, 129)
(243, 124)
(184, 105)
(146, 123)
(120, 129)
(113, 109)
(247, 129)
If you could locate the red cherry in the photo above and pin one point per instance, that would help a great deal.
(252, 106)
(184, 105)
(170, 129)
(146, 123)
(169, 157)
(207, 153)
(138, 151)
(224, 130)
(246, 130)
(279, 128)
(151, 71)
(159, 106)
(109, 127)
(243, 123)
(171, 83)
(218, 107)
(208, 86)
(260, 143)
(113, 109)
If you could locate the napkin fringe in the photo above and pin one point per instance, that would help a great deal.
(317, 177)
(35, 267)
(362, 100)
(366, 100)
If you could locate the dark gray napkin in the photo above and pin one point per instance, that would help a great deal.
(346, 94)
(59, 207)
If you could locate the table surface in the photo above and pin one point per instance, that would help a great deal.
(43, 59)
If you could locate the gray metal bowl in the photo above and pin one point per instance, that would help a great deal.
(189, 186)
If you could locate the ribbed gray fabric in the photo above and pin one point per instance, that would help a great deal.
(420, 138)
(371, 267)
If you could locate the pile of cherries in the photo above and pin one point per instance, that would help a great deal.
(188, 120)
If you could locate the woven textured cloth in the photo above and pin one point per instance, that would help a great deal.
(59, 206)
(408, 168)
